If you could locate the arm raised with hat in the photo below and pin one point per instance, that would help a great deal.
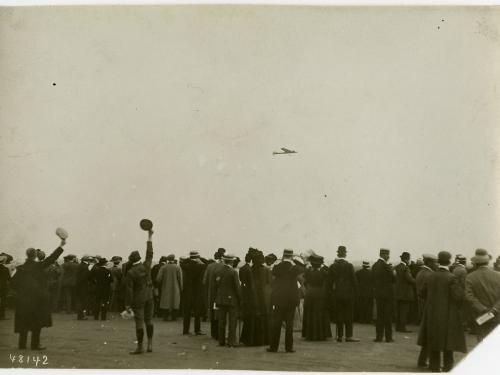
(55, 254)
(149, 250)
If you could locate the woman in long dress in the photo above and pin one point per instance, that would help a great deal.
(316, 322)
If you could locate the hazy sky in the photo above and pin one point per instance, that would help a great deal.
(109, 115)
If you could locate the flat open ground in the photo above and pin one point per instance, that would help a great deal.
(95, 344)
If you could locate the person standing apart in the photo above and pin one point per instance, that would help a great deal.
(33, 310)
(482, 292)
(343, 283)
(139, 294)
(403, 292)
(227, 300)
(284, 300)
(383, 283)
(441, 330)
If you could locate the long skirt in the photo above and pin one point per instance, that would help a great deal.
(255, 331)
(316, 322)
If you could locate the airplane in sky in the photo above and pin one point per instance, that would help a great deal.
(285, 151)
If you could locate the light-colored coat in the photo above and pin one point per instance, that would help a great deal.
(482, 290)
(170, 280)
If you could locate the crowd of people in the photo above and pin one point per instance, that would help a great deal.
(249, 304)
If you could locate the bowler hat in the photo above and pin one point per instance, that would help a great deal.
(146, 224)
(444, 257)
(481, 257)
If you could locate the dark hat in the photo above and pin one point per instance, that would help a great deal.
(366, 264)
(298, 261)
(116, 258)
(341, 249)
(194, 254)
(271, 256)
(8, 257)
(170, 257)
(221, 251)
(134, 256)
(40, 254)
(146, 224)
(459, 257)
(288, 253)
(385, 251)
(481, 257)
(163, 259)
(405, 255)
(444, 257)
(429, 256)
(315, 259)
(31, 252)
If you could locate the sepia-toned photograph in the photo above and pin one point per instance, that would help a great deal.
(249, 187)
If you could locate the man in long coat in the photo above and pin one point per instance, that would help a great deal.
(102, 279)
(227, 300)
(364, 280)
(209, 286)
(68, 281)
(426, 271)
(482, 292)
(248, 297)
(4, 285)
(344, 285)
(117, 299)
(284, 300)
(192, 302)
(82, 287)
(441, 330)
(383, 283)
(157, 287)
(404, 294)
(139, 294)
(169, 280)
(33, 310)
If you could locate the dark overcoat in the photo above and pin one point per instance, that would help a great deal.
(441, 328)
(364, 278)
(285, 290)
(383, 280)
(33, 308)
(405, 283)
(192, 296)
(227, 287)
(343, 280)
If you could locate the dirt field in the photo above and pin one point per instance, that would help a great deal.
(94, 344)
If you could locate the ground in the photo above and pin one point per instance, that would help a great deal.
(95, 344)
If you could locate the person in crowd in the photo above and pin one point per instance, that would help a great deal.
(496, 265)
(364, 279)
(299, 310)
(102, 279)
(482, 292)
(426, 271)
(4, 285)
(52, 279)
(68, 281)
(227, 300)
(82, 287)
(209, 285)
(404, 293)
(169, 280)
(316, 323)
(192, 302)
(117, 300)
(383, 285)
(139, 294)
(157, 285)
(256, 319)
(460, 271)
(284, 300)
(32, 305)
(441, 331)
(343, 284)
(248, 301)
(270, 260)
(91, 292)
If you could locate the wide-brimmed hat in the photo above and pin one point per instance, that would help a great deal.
(481, 257)
(194, 255)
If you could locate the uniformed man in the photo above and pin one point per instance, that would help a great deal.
(344, 286)
(139, 294)
(284, 300)
(383, 282)
(227, 300)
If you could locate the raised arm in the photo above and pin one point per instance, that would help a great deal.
(55, 254)
(149, 250)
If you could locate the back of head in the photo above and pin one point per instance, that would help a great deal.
(342, 252)
(31, 253)
(444, 258)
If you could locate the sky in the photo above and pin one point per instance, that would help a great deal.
(113, 114)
